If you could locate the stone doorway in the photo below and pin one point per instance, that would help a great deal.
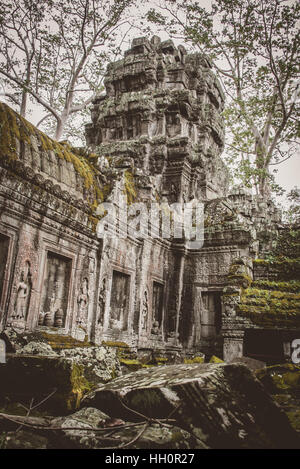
(157, 307)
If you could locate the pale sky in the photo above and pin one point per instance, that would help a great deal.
(288, 174)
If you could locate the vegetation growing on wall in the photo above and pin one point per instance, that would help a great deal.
(16, 131)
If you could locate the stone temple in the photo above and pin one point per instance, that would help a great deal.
(156, 136)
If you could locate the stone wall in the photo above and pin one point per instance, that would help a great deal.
(156, 136)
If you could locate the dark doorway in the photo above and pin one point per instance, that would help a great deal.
(119, 304)
(157, 302)
(265, 345)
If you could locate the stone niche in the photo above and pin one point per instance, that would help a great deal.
(157, 307)
(210, 315)
(4, 244)
(119, 302)
(55, 293)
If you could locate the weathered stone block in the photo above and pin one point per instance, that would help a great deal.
(69, 377)
(224, 405)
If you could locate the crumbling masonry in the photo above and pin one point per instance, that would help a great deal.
(156, 136)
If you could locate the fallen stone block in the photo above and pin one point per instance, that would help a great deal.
(223, 405)
(26, 377)
(251, 363)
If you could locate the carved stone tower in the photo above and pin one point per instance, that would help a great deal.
(162, 108)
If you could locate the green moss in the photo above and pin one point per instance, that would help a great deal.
(293, 286)
(131, 364)
(190, 361)
(115, 344)
(80, 386)
(129, 187)
(294, 418)
(15, 130)
(242, 279)
(284, 268)
(237, 275)
(215, 359)
(267, 307)
(58, 342)
(161, 359)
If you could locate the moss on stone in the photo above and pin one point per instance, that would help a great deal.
(15, 130)
(129, 187)
(267, 307)
(80, 387)
(131, 364)
(59, 342)
(293, 286)
(215, 359)
(116, 344)
(294, 418)
(190, 361)
(284, 268)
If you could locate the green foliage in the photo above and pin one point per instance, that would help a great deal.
(288, 243)
(292, 214)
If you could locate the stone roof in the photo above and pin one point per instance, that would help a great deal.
(54, 166)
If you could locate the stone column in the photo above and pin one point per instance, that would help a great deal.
(233, 326)
(233, 346)
(174, 311)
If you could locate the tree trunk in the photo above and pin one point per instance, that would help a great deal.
(264, 187)
(61, 125)
(23, 104)
(59, 129)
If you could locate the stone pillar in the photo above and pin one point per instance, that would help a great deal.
(233, 346)
(174, 311)
(233, 326)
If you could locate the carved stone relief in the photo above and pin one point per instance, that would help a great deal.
(55, 291)
(23, 294)
(83, 303)
(102, 302)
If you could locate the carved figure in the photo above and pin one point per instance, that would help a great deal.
(101, 302)
(145, 310)
(83, 300)
(23, 294)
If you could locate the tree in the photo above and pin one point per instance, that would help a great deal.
(55, 52)
(292, 214)
(254, 48)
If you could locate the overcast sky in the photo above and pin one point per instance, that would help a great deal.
(288, 174)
